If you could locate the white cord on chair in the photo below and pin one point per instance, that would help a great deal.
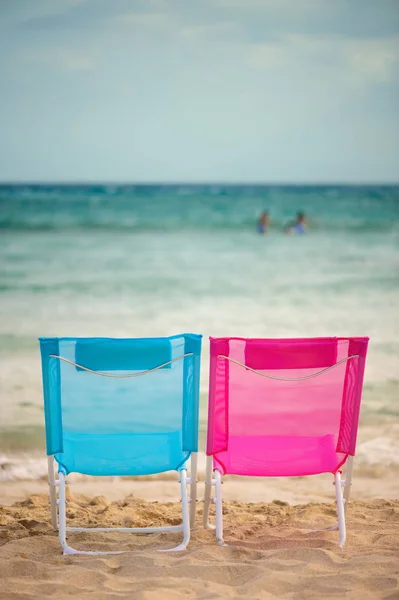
(121, 376)
(236, 362)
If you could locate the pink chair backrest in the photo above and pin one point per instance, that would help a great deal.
(302, 422)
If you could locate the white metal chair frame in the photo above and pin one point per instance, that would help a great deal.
(213, 477)
(57, 492)
(57, 489)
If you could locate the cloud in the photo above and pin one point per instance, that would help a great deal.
(348, 18)
(158, 3)
(153, 20)
(72, 3)
(367, 61)
(265, 56)
(62, 58)
(375, 60)
(73, 61)
(41, 13)
(215, 31)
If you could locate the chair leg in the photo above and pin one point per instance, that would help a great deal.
(348, 481)
(185, 511)
(193, 488)
(62, 514)
(340, 508)
(342, 492)
(52, 492)
(208, 493)
(185, 515)
(219, 509)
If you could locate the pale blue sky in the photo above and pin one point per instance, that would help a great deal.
(199, 90)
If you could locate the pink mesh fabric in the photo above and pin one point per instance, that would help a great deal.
(265, 427)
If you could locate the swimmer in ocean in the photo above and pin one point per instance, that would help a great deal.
(298, 226)
(263, 223)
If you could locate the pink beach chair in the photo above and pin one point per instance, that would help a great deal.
(283, 408)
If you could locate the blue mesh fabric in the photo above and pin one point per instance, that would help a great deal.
(121, 426)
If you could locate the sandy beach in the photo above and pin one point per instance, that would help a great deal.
(274, 550)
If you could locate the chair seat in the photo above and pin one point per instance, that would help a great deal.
(279, 456)
(121, 454)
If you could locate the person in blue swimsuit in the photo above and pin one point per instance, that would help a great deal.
(298, 226)
(263, 223)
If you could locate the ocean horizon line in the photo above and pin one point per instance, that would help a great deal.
(293, 184)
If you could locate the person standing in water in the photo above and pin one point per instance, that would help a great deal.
(263, 223)
(298, 226)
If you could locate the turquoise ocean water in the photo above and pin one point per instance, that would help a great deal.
(158, 260)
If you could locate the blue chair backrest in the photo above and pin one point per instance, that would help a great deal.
(121, 406)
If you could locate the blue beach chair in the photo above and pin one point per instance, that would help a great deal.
(116, 407)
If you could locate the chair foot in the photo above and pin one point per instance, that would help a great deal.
(69, 551)
(221, 543)
(179, 548)
(332, 528)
